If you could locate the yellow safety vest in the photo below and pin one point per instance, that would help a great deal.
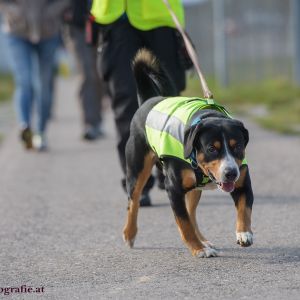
(167, 121)
(142, 14)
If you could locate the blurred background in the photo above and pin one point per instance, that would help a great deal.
(248, 50)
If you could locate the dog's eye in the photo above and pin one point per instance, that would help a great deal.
(212, 149)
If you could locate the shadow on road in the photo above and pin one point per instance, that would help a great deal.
(275, 255)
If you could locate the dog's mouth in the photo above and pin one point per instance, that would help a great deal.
(227, 187)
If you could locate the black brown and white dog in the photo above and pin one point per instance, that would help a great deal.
(219, 143)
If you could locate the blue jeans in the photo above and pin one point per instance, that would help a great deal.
(33, 66)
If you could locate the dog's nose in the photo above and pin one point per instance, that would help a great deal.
(230, 174)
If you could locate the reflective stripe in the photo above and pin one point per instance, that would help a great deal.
(166, 145)
(166, 123)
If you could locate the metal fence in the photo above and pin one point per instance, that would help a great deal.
(240, 40)
(4, 57)
(243, 40)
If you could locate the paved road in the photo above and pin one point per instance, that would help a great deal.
(62, 212)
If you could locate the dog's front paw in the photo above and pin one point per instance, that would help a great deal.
(129, 237)
(129, 243)
(206, 252)
(245, 239)
(208, 244)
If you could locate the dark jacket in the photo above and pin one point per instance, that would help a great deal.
(80, 12)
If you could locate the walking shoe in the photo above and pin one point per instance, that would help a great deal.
(26, 137)
(39, 142)
(92, 133)
(145, 200)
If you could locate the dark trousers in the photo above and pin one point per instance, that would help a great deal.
(119, 43)
(91, 87)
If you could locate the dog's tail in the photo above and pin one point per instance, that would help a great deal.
(151, 77)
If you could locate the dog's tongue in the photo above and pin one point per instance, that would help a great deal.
(227, 186)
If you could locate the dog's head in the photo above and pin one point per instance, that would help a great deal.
(220, 145)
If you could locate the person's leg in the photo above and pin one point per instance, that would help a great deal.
(91, 90)
(46, 50)
(163, 42)
(119, 46)
(55, 72)
(21, 52)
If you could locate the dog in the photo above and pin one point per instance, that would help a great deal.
(198, 146)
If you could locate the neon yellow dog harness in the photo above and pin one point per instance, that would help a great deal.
(167, 122)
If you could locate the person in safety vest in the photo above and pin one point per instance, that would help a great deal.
(127, 26)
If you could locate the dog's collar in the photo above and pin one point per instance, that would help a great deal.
(196, 121)
(203, 178)
(193, 158)
(193, 155)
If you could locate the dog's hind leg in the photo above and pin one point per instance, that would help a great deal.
(192, 199)
(139, 166)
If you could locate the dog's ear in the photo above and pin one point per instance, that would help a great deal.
(244, 131)
(246, 135)
(189, 138)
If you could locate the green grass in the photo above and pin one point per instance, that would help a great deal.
(277, 100)
(6, 87)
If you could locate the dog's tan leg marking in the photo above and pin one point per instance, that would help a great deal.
(244, 236)
(243, 221)
(188, 235)
(192, 199)
(190, 238)
(189, 180)
(130, 228)
(243, 173)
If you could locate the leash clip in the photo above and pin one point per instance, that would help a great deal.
(193, 159)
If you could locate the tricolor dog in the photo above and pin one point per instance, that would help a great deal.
(198, 146)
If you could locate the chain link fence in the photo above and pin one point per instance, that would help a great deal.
(239, 40)
(243, 41)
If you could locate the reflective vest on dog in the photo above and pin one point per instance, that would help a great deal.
(167, 122)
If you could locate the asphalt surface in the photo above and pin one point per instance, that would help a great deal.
(62, 213)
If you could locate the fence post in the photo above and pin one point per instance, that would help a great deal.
(295, 14)
(220, 45)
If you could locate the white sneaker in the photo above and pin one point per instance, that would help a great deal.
(39, 142)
